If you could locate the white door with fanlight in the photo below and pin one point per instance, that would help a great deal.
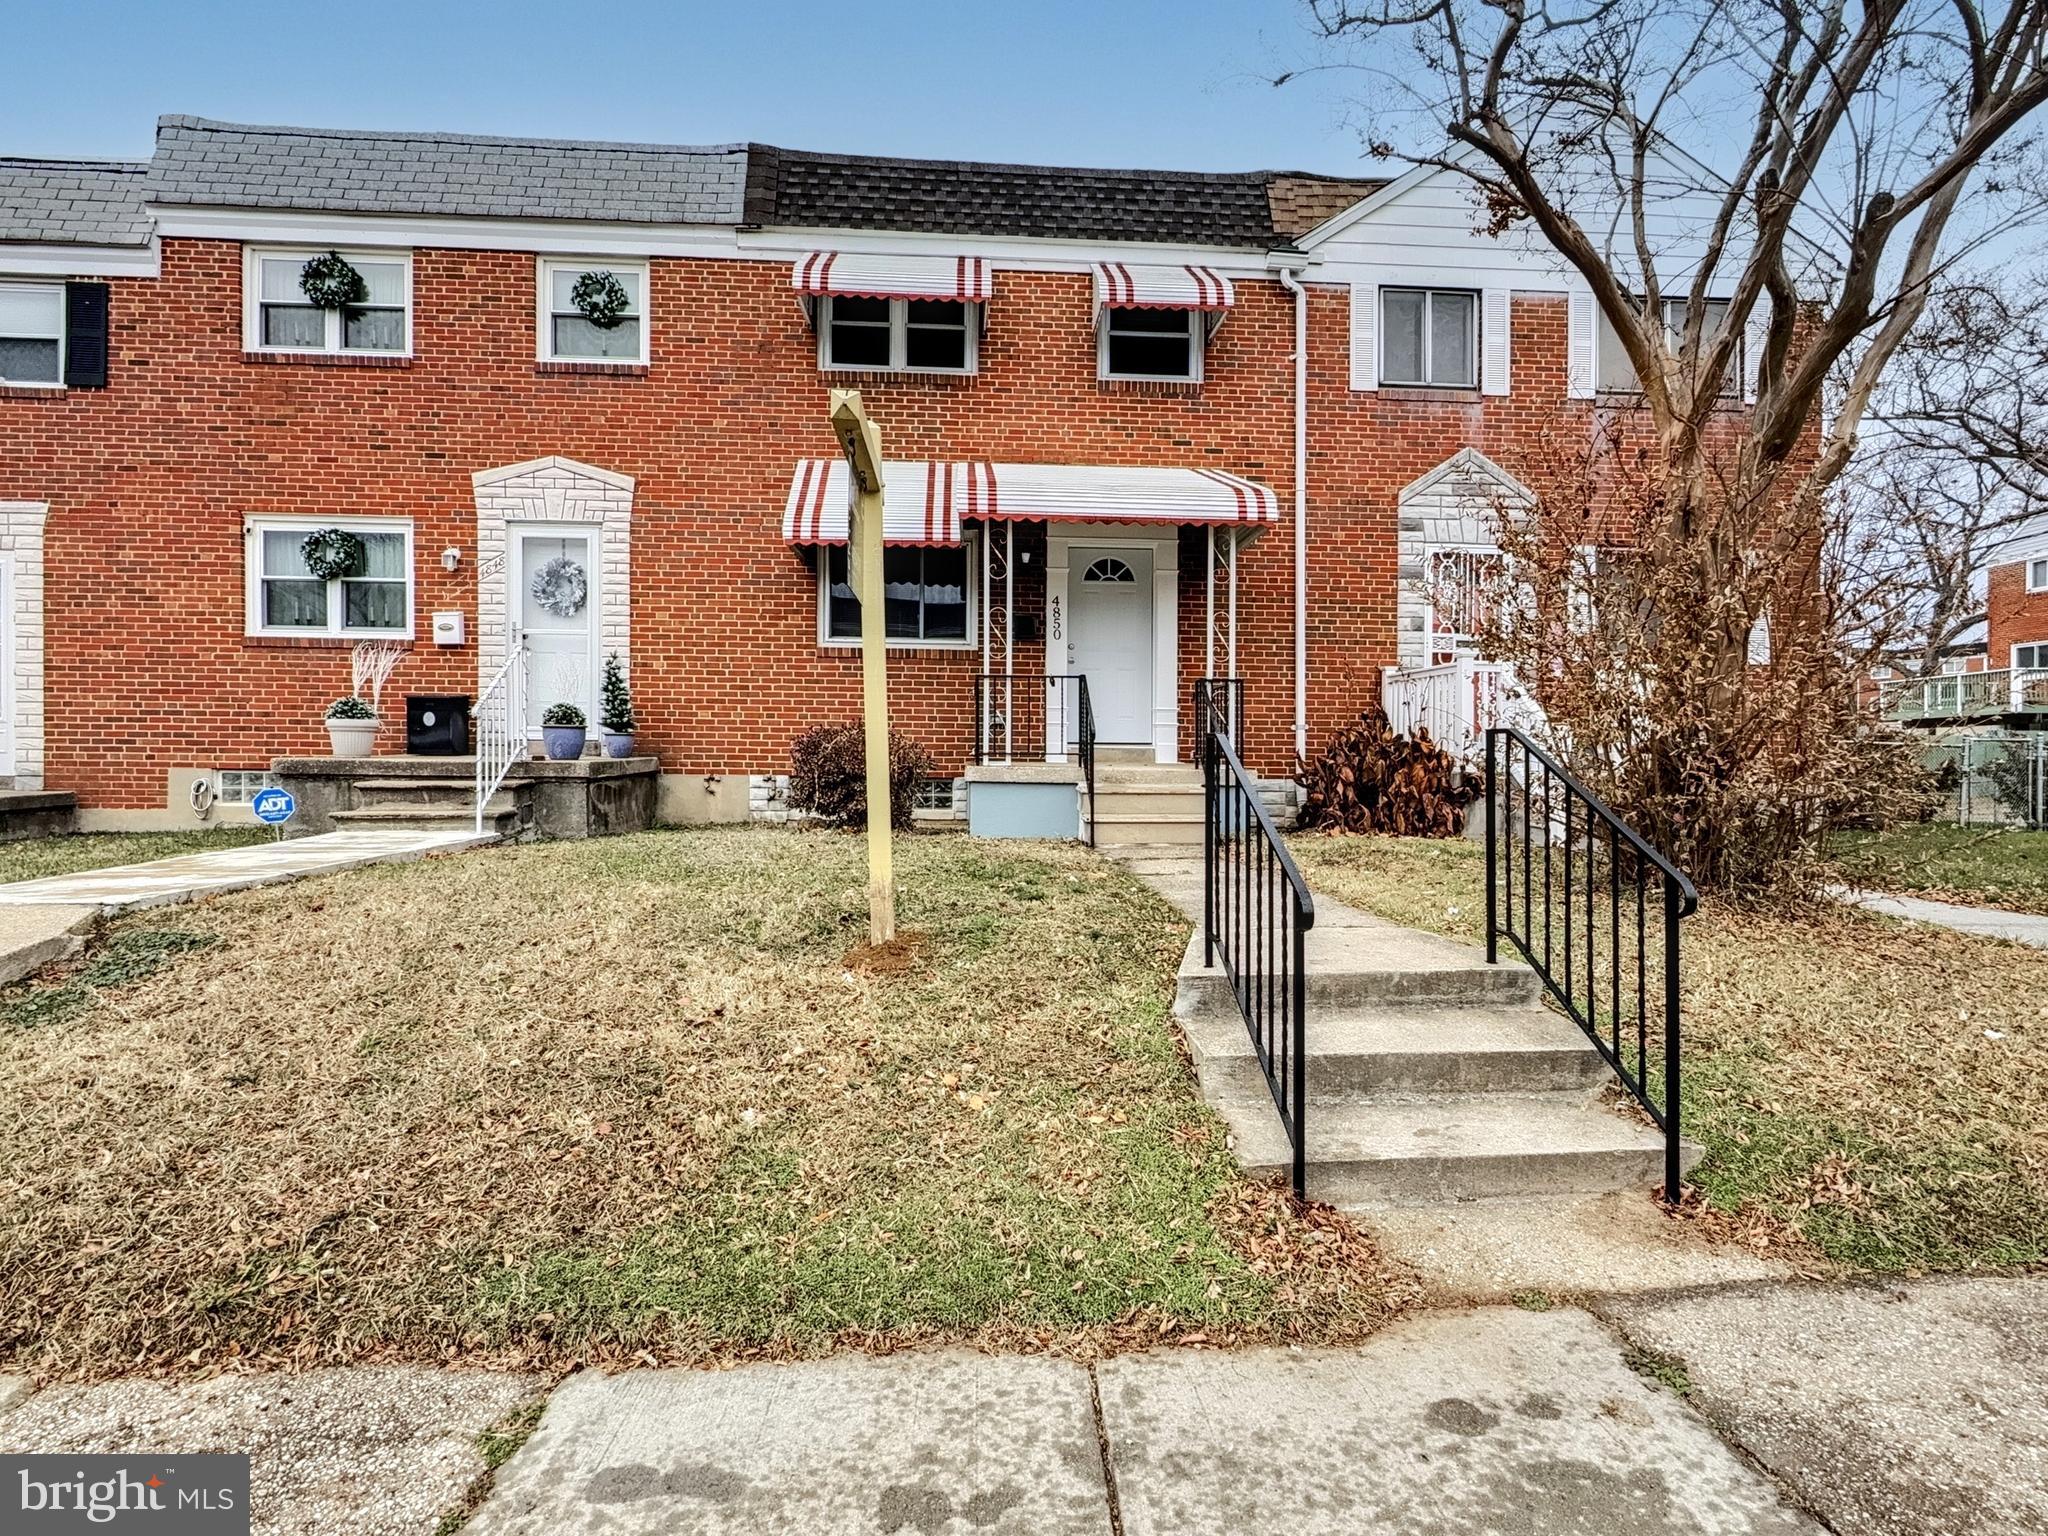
(1110, 638)
(554, 574)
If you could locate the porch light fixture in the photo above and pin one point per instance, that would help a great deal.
(451, 557)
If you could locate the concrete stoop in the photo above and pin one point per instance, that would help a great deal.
(1432, 1076)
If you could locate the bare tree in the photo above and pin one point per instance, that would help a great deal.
(1842, 142)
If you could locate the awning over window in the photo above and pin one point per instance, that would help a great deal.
(926, 502)
(893, 277)
(1119, 285)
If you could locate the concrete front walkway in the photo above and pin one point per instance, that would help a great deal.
(1986, 922)
(192, 875)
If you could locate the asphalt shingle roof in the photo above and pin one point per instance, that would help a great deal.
(236, 165)
(804, 189)
(73, 202)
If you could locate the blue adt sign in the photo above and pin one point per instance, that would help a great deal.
(273, 807)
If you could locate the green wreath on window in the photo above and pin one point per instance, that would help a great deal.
(601, 299)
(332, 552)
(329, 282)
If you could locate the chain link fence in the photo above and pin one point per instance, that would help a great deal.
(1993, 779)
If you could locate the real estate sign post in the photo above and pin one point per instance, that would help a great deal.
(861, 441)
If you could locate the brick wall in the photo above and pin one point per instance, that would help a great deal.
(149, 480)
(2014, 615)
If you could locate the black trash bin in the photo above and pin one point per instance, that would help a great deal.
(437, 724)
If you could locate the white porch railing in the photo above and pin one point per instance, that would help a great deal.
(1961, 695)
(1454, 700)
(501, 735)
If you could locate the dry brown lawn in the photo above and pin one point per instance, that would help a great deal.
(626, 1099)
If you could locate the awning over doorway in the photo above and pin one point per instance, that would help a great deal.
(927, 501)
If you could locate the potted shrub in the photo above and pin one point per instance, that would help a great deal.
(351, 727)
(562, 730)
(616, 720)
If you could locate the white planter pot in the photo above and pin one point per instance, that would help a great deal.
(352, 738)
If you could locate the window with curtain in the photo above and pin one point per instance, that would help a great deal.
(31, 333)
(372, 598)
(926, 595)
(2037, 575)
(1616, 372)
(567, 337)
(285, 322)
(1429, 336)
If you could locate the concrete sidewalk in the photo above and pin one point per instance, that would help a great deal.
(1985, 922)
(163, 881)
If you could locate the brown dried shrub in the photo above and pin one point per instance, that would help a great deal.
(828, 775)
(1368, 779)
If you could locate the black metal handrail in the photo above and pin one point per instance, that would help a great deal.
(1015, 717)
(1256, 914)
(1583, 846)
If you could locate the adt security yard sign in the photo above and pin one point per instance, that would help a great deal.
(273, 807)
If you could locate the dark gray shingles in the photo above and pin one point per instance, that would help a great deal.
(73, 202)
(235, 165)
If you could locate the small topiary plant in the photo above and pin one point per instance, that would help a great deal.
(828, 775)
(564, 717)
(351, 708)
(617, 714)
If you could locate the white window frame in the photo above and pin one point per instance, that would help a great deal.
(253, 257)
(2038, 663)
(1429, 336)
(544, 313)
(2037, 574)
(63, 340)
(253, 529)
(246, 782)
(969, 642)
(1198, 338)
(1674, 327)
(899, 338)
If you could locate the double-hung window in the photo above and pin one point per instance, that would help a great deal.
(32, 333)
(2037, 575)
(2029, 657)
(373, 597)
(926, 594)
(1151, 344)
(897, 335)
(281, 318)
(1617, 373)
(1429, 336)
(567, 335)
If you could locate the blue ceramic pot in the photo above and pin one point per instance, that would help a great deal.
(562, 743)
(618, 744)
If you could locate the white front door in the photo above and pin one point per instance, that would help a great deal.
(554, 575)
(1110, 638)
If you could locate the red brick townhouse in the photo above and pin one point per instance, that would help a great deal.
(1143, 427)
(2016, 613)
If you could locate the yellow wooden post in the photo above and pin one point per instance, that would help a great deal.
(861, 441)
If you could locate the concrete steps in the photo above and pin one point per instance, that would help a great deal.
(1432, 1076)
(431, 805)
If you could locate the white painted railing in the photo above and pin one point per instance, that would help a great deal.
(501, 736)
(1454, 700)
(1960, 695)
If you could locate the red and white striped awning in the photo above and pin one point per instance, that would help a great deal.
(926, 502)
(1119, 285)
(893, 277)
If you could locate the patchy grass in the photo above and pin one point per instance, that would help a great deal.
(1995, 867)
(1880, 1087)
(34, 857)
(625, 1099)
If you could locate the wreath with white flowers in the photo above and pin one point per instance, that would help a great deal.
(332, 552)
(329, 282)
(601, 299)
(561, 587)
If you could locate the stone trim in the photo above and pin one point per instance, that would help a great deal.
(21, 542)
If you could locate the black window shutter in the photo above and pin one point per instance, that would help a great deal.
(85, 329)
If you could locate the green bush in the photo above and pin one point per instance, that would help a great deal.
(828, 775)
(351, 708)
(617, 714)
(564, 717)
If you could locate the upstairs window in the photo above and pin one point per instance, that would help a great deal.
(374, 597)
(1617, 373)
(32, 333)
(282, 319)
(2037, 575)
(2031, 657)
(1429, 336)
(927, 597)
(1151, 344)
(567, 335)
(897, 335)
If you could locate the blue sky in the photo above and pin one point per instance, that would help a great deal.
(1171, 84)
